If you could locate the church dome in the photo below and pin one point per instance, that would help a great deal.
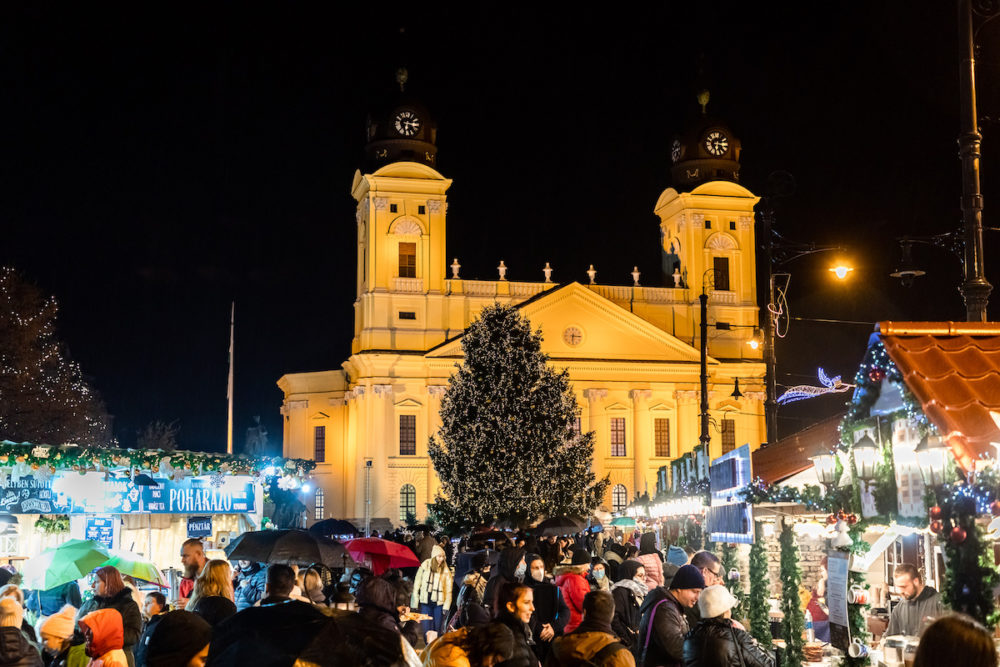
(707, 151)
(402, 130)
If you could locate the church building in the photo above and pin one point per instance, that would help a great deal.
(632, 351)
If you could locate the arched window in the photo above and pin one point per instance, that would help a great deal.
(407, 503)
(619, 498)
(319, 505)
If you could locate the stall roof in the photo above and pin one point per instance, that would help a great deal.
(790, 455)
(953, 369)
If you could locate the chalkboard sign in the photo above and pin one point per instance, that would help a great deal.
(199, 526)
(101, 529)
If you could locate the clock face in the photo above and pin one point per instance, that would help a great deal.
(572, 336)
(675, 150)
(407, 123)
(716, 143)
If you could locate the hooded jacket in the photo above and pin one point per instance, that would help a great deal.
(430, 587)
(651, 560)
(376, 600)
(572, 581)
(714, 642)
(107, 635)
(550, 608)
(505, 571)
(665, 646)
(16, 650)
(123, 603)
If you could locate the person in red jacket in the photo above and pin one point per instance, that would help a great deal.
(572, 581)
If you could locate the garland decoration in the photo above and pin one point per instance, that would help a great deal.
(53, 524)
(730, 569)
(794, 624)
(856, 613)
(758, 608)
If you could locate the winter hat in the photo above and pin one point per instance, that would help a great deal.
(628, 569)
(580, 557)
(11, 613)
(715, 601)
(677, 556)
(479, 561)
(60, 625)
(687, 577)
(178, 637)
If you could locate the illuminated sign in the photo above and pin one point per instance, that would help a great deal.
(90, 493)
(729, 519)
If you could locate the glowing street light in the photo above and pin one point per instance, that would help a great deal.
(841, 271)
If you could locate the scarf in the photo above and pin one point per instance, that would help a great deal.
(638, 590)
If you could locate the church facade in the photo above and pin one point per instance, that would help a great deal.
(632, 351)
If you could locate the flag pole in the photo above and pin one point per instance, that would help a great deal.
(229, 393)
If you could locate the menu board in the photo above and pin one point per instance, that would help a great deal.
(836, 599)
(101, 529)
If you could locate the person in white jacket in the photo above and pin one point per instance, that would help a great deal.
(432, 590)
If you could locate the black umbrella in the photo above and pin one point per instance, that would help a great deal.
(482, 539)
(329, 527)
(292, 547)
(558, 525)
(349, 639)
(272, 635)
(421, 526)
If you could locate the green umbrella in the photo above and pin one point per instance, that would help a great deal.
(69, 561)
(136, 566)
(623, 521)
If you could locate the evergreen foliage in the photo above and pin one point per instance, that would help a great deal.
(857, 614)
(43, 396)
(507, 448)
(729, 560)
(759, 610)
(794, 623)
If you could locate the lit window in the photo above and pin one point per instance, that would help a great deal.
(407, 435)
(721, 266)
(407, 260)
(319, 444)
(661, 431)
(407, 503)
(319, 505)
(619, 498)
(617, 436)
(728, 435)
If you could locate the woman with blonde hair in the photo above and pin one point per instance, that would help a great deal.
(432, 590)
(212, 597)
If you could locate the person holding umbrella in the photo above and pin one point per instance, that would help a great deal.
(432, 590)
(110, 592)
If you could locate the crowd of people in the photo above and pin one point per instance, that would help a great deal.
(527, 602)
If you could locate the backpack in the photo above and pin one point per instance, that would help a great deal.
(600, 659)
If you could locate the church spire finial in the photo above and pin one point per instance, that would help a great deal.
(401, 77)
(703, 101)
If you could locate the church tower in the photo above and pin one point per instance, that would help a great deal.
(401, 230)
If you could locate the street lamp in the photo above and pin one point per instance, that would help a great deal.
(865, 455)
(826, 468)
(841, 271)
(932, 457)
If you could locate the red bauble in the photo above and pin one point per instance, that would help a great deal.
(995, 508)
(852, 519)
(831, 519)
(937, 526)
(876, 375)
(958, 534)
(936, 512)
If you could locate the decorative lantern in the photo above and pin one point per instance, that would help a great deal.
(865, 455)
(826, 468)
(932, 457)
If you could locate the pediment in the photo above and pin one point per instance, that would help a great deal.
(579, 324)
(616, 407)
(660, 407)
(320, 415)
(408, 403)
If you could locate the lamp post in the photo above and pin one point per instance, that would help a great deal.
(932, 458)
(826, 469)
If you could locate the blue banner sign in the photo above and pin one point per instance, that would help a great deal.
(102, 530)
(199, 526)
(72, 493)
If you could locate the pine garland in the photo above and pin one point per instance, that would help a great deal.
(730, 563)
(794, 623)
(759, 610)
(971, 574)
(856, 613)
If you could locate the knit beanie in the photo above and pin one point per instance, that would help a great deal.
(715, 601)
(177, 638)
(61, 624)
(580, 557)
(11, 613)
(687, 577)
(677, 556)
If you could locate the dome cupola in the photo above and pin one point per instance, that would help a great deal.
(707, 151)
(402, 131)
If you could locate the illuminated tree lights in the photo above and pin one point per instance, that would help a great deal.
(507, 448)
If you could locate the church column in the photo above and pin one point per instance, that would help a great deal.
(597, 417)
(640, 437)
(436, 393)
(688, 427)
(382, 438)
(359, 443)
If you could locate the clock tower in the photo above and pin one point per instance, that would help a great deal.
(706, 151)
(401, 131)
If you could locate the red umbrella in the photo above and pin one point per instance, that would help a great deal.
(383, 554)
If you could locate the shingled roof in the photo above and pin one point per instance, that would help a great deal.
(953, 369)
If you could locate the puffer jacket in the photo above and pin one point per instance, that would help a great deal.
(714, 642)
(665, 615)
(430, 587)
(252, 591)
(16, 650)
(123, 603)
(572, 581)
(107, 635)
(576, 647)
(447, 651)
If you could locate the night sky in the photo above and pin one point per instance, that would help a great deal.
(156, 164)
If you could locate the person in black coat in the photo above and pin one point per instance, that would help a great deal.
(110, 592)
(629, 592)
(15, 649)
(515, 604)
(511, 568)
(715, 641)
(469, 609)
(551, 612)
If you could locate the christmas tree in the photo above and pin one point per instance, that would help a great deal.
(760, 618)
(508, 447)
(794, 623)
(43, 396)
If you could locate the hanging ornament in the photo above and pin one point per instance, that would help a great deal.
(995, 508)
(876, 375)
(935, 511)
(852, 519)
(936, 526)
(958, 535)
(830, 520)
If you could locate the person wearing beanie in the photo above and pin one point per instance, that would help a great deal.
(432, 591)
(179, 639)
(598, 578)
(593, 641)
(629, 594)
(663, 623)
(104, 635)
(677, 556)
(15, 649)
(572, 582)
(716, 641)
(56, 631)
